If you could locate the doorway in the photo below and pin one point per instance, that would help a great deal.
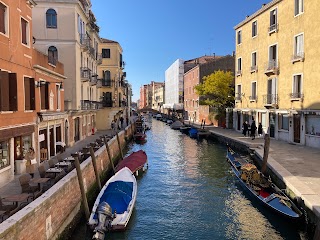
(296, 128)
(272, 124)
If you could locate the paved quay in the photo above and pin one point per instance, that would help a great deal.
(298, 166)
(13, 187)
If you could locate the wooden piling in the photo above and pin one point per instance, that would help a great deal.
(109, 154)
(83, 193)
(265, 153)
(94, 163)
(119, 144)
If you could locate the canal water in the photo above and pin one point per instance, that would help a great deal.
(189, 192)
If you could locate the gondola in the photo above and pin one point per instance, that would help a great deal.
(261, 187)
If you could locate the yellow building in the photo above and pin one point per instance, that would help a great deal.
(114, 89)
(277, 71)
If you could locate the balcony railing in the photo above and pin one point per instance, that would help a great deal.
(271, 67)
(52, 60)
(107, 103)
(273, 28)
(254, 69)
(85, 74)
(99, 59)
(297, 57)
(84, 41)
(92, 52)
(253, 98)
(90, 105)
(106, 82)
(93, 80)
(270, 99)
(296, 96)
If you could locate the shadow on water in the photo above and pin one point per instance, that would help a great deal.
(189, 192)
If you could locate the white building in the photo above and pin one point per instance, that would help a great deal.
(174, 85)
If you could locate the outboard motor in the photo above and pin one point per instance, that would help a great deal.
(105, 217)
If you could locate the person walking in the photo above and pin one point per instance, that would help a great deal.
(31, 160)
(245, 128)
(253, 129)
(260, 130)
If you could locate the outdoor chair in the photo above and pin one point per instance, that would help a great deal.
(27, 188)
(51, 163)
(8, 209)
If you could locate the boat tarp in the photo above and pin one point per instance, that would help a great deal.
(118, 195)
(134, 161)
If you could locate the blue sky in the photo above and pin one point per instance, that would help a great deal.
(154, 33)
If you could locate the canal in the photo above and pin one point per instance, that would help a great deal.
(189, 192)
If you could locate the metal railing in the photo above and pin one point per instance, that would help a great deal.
(271, 66)
(84, 41)
(270, 99)
(52, 60)
(298, 57)
(93, 80)
(296, 95)
(90, 105)
(85, 74)
(273, 28)
(99, 59)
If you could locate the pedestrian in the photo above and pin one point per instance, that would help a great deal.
(260, 130)
(31, 161)
(245, 128)
(121, 122)
(112, 125)
(253, 129)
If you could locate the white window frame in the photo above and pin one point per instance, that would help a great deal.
(239, 66)
(58, 96)
(256, 28)
(294, 85)
(238, 93)
(298, 7)
(298, 55)
(275, 28)
(254, 68)
(27, 32)
(6, 20)
(239, 39)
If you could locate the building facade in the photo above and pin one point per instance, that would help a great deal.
(30, 89)
(158, 97)
(277, 72)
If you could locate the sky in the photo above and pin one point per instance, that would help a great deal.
(155, 33)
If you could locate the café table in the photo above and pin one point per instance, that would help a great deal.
(39, 181)
(54, 170)
(69, 159)
(16, 198)
(63, 164)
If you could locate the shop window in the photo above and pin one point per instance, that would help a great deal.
(283, 122)
(22, 144)
(4, 154)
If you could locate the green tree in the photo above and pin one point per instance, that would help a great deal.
(217, 91)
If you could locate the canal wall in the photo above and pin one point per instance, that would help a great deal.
(48, 216)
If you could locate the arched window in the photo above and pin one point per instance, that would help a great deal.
(52, 55)
(51, 17)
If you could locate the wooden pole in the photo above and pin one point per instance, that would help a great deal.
(83, 193)
(94, 163)
(118, 139)
(109, 155)
(265, 153)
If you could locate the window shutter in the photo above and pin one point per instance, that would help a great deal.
(47, 95)
(32, 94)
(26, 93)
(23, 31)
(4, 95)
(43, 97)
(13, 93)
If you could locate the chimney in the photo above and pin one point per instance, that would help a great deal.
(263, 4)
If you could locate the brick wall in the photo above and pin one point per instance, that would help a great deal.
(48, 215)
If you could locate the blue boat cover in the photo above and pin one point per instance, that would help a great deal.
(118, 195)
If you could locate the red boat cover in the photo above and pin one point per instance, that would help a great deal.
(134, 161)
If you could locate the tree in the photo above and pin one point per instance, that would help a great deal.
(217, 91)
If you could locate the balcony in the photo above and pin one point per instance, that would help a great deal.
(253, 69)
(271, 67)
(99, 59)
(107, 103)
(253, 98)
(297, 96)
(93, 80)
(84, 42)
(92, 52)
(90, 105)
(238, 73)
(273, 28)
(297, 57)
(270, 100)
(85, 74)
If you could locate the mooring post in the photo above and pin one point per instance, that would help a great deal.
(109, 154)
(94, 163)
(83, 193)
(265, 153)
(119, 143)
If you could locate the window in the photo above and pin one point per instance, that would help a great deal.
(4, 154)
(106, 53)
(3, 19)
(253, 61)
(238, 93)
(58, 96)
(273, 21)
(106, 78)
(297, 86)
(24, 32)
(254, 28)
(52, 55)
(298, 7)
(298, 47)
(51, 18)
(273, 58)
(29, 94)
(272, 97)
(44, 92)
(239, 66)
(253, 96)
(239, 40)
(8, 91)
(283, 122)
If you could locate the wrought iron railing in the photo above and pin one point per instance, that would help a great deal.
(296, 95)
(273, 28)
(270, 99)
(271, 66)
(298, 57)
(84, 41)
(85, 73)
